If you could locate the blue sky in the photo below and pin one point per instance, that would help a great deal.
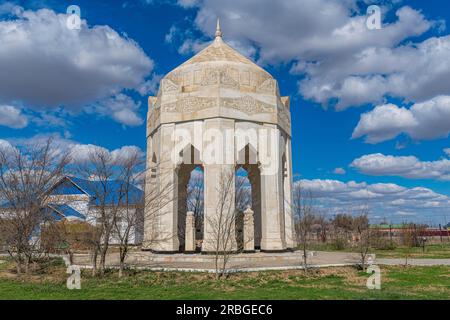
(392, 84)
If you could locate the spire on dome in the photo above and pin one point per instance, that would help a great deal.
(218, 30)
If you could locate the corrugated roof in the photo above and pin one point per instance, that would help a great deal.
(67, 211)
(110, 191)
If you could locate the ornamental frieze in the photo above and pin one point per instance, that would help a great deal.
(284, 118)
(247, 104)
(190, 104)
(168, 86)
(268, 86)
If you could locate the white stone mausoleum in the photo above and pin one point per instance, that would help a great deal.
(217, 112)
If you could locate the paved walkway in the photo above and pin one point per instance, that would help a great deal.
(248, 262)
(414, 262)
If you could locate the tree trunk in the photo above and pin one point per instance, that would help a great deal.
(363, 262)
(94, 263)
(18, 267)
(27, 266)
(103, 252)
(122, 263)
(305, 258)
(121, 270)
(71, 257)
(102, 262)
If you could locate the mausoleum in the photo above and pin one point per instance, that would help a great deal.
(217, 112)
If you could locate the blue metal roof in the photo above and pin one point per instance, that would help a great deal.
(94, 189)
(110, 190)
(67, 211)
(66, 187)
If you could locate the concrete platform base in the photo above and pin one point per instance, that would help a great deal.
(237, 262)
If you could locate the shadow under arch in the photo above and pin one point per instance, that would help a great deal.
(189, 166)
(247, 167)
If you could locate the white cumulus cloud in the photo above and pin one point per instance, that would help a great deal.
(339, 171)
(12, 117)
(79, 152)
(423, 121)
(383, 199)
(409, 167)
(340, 60)
(46, 65)
(447, 151)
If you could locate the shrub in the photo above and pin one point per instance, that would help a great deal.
(339, 243)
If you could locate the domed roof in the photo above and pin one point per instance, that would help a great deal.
(219, 52)
(219, 82)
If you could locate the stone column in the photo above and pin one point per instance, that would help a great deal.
(219, 209)
(291, 241)
(271, 194)
(184, 174)
(150, 220)
(166, 229)
(249, 231)
(190, 233)
(219, 174)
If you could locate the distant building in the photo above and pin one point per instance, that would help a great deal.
(76, 199)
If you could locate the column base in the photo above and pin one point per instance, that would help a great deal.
(272, 245)
(275, 251)
(220, 253)
(160, 252)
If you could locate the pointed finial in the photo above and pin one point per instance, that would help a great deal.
(218, 30)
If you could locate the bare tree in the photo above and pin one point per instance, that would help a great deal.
(411, 238)
(243, 194)
(304, 215)
(407, 235)
(342, 224)
(25, 175)
(99, 173)
(362, 229)
(130, 214)
(323, 224)
(223, 224)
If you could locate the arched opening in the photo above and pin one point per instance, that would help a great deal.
(248, 192)
(190, 192)
(243, 201)
(196, 201)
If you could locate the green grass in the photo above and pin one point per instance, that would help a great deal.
(336, 283)
(434, 251)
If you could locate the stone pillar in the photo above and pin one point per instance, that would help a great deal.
(291, 241)
(151, 222)
(184, 174)
(219, 186)
(165, 236)
(272, 194)
(249, 231)
(190, 233)
(219, 209)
